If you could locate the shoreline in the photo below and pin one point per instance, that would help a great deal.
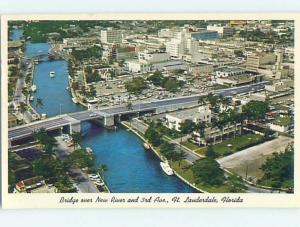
(162, 158)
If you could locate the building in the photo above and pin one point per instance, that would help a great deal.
(280, 85)
(223, 31)
(257, 60)
(136, 66)
(235, 76)
(175, 47)
(111, 36)
(153, 57)
(174, 120)
(205, 35)
(169, 66)
(30, 184)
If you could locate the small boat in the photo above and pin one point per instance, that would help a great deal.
(75, 100)
(67, 88)
(33, 88)
(89, 150)
(31, 98)
(166, 168)
(146, 146)
(52, 74)
(36, 62)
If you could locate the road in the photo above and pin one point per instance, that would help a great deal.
(84, 185)
(58, 121)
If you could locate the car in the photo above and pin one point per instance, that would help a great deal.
(93, 115)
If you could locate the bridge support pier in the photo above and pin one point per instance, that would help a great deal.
(109, 121)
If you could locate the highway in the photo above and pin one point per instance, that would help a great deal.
(59, 121)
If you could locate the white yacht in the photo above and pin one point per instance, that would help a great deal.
(166, 168)
(52, 74)
(31, 98)
(33, 88)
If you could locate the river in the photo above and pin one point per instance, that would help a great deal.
(130, 168)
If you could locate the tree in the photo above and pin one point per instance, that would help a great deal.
(201, 126)
(101, 170)
(255, 110)
(39, 103)
(202, 100)
(47, 142)
(186, 127)
(208, 171)
(129, 106)
(23, 107)
(76, 138)
(167, 149)
(210, 152)
(152, 135)
(236, 184)
(279, 169)
(136, 85)
(156, 78)
(81, 159)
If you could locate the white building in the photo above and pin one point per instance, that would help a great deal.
(174, 120)
(175, 47)
(153, 57)
(136, 67)
(111, 36)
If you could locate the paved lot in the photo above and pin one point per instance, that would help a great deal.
(250, 160)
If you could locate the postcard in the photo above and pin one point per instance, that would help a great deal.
(150, 110)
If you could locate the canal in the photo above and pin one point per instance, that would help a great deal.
(130, 167)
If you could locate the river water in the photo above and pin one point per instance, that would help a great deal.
(130, 168)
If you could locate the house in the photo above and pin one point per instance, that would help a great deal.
(30, 183)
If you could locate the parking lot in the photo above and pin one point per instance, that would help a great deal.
(248, 162)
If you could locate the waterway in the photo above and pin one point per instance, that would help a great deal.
(130, 168)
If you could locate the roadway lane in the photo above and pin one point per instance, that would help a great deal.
(59, 121)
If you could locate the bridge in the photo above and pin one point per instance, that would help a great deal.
(73, 120)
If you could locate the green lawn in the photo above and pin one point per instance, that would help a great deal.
(282, 121)
(194, 147)
(185, 171)
(237, 144)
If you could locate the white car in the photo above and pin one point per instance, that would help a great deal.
(93, 115)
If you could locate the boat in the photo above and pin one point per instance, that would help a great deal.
(33, 88)
(166, 168)
(67, 88)
(89, 150)
(75, 100)
(146, 146)
(36, 61)
(31, 98)
(52, 74)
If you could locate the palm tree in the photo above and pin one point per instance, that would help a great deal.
(202, 100)
(23, 107)
(76, 138)
(201, 126)
(129, 106)
(101, 170)
(39, 103)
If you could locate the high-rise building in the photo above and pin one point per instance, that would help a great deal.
(111, 36)
(223, 31)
